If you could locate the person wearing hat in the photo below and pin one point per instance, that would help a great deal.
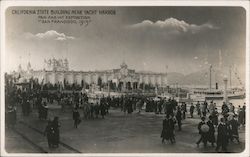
(44, 111)
(50, 133)
(198, 108)
(234, 125)
(76, 117)
(203, 131)
(215, 115)
(168, 129)
(179, 117)
(222, 136)
(56, 125)
(191, 110)
(211, 136)
(11, 116)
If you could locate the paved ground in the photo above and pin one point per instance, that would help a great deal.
(117, 133)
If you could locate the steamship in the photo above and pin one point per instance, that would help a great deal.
(201, 94)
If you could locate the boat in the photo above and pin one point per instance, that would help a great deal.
(216, 94)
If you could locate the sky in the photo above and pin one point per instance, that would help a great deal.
(159, 39)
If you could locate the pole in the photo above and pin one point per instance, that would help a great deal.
(225, 91)
(210, 77)
(230, 77)
(109, 88)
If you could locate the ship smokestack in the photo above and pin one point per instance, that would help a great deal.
(225, 90)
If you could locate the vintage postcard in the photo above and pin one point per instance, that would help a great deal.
(124, 78)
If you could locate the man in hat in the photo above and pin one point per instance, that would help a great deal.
(191, 110)
(214, 115)
(234, 125)
(168, 129)
(56, 138)
(222, 136)
(50, 133)
(103, 109)
(211, 136)
(203, 133)
(11, 116)
(44, 111)
(179, 117)
(76, 117)
(198, 108)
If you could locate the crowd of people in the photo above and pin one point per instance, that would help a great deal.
(223, 123)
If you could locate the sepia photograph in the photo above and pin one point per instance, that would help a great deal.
(107, 79)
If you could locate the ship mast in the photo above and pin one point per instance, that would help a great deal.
(210, 77)
(230, 77)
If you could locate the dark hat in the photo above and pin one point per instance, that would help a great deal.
(203, 118)
(210, 117)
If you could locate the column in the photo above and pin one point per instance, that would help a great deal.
(225, 91)
(124, 85)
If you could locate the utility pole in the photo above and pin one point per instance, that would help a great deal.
(230, 77)
(210, 77)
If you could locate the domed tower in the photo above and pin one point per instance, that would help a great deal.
(19, 68)
(29, 67)
(124, 65)
(66, 64)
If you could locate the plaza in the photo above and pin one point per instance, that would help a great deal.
(116, 133)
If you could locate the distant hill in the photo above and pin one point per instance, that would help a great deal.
(200, 78)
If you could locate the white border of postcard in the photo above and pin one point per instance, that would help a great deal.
(6, 4)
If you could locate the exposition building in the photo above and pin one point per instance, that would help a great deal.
(56, 71)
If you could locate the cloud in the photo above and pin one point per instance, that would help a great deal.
(49, 35)
(172, 26)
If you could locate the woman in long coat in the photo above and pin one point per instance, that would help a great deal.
(50, 133)
(211, 131)
(56, 125)
(222, 136)
(167, 131)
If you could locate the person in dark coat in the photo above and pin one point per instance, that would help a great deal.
(214, 115)
(76, 117)
(222, 136)
(244, 114)
(204, 134)
(211, 136)
(97, 110)
(56, 125)
(11, 116)
(224, 109)
(204, 108)
(92, 110)
(184, 110)
(240, 116)
(234, 125)
(198, 108)
(168, 130)
(171, 126)
(26, 107)
(129, 106)
(50, 133)
(103, 109)
(191, 110)
(179, 117)
(44, 111)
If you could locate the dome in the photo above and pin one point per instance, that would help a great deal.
(124, 65)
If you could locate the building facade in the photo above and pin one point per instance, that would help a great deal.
(56, 71)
